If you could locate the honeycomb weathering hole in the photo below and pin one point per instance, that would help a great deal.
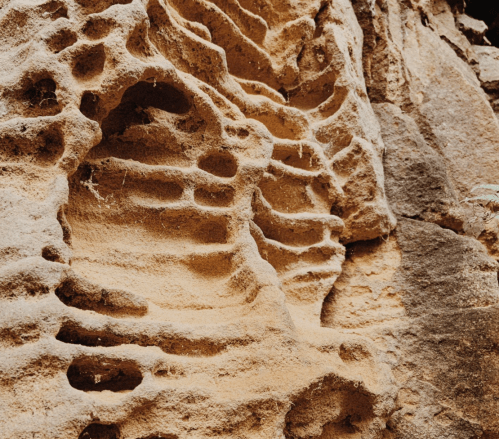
(89, 105)
(297, 159)
(41, 94)
(97, 374)
(242, 133)
(307, 97)
(35, 94)
(155, 191)
(44, 149)
(292, 236)
(51, 148)
(90, 63)
(347, 411)
(100, 431)
(121, 187)
(138, 44)
(71, 333)
(62, 39)
(97, 27)
(78, 293)
(297, 198)
(212, 232)
(140, 97)
(219, 164)
(56, 9)
(221, 197)
(96, 6)
(51, 253)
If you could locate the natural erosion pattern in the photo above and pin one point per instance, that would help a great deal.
(243, 219)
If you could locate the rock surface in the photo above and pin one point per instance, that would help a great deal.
(244, 219)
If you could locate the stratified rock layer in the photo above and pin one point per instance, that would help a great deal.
(243, 219)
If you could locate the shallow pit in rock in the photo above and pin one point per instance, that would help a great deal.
(220, 164)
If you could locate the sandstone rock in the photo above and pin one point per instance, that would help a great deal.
(473, 29)
(488, 58)
(416, 178)
(415, 296)
(444, 23)
(489, 63)
(243, 219)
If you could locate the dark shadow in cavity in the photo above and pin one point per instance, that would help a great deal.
(488, 11)
(52, 147)
(73, 334)
(66, 227)
(97, 374)
(89, 105)
(62, 39)
(319, 19)
(131, 110)
(79, 293)
(56, 9)
(100, 431)
(52, 253)
(42, 94)
(284, 93)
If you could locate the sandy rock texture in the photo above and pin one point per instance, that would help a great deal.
(244, 219)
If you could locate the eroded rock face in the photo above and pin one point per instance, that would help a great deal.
(199, 204)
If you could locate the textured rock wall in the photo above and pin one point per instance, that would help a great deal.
(243, 219)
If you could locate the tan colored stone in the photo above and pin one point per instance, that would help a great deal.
(243, 219)
(168, 175)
